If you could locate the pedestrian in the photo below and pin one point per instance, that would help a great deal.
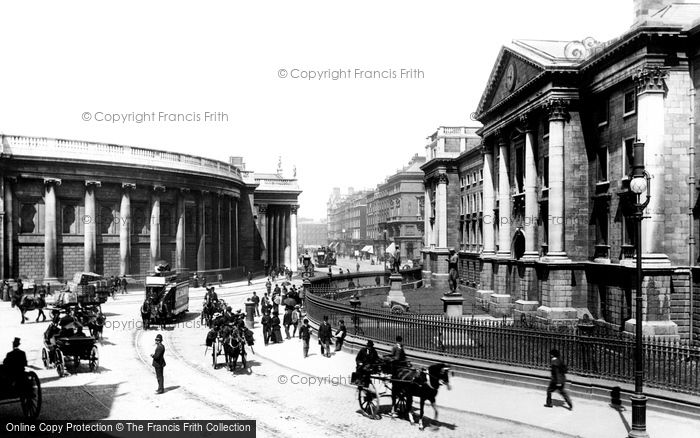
(305, 335)
(557, 380)
(256, 299)
(268, 285)
(377, 280)
(15, 361)
(358, 266)
(123, 284)
(324, 337)
(221, 279)
(287, 321)
(266, 322)
(276, 332)
(159, 362)
(296, 316)
(340, 339)
(250, 278)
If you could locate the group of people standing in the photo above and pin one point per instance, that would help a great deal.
(274, 271)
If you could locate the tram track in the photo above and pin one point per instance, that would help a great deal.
(273, 404)
(136, 340)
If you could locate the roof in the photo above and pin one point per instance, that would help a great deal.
(683, 14)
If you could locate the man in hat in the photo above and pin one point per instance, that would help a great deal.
(159, 362)
(15, 361)
(557, 380)
(366, 358)
(305, 335)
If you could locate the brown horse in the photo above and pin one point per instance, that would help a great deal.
(27, 303)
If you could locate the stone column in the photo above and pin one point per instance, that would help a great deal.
(293, 236)
(504, 201)
(180, 239)
(125, 230)
(219, 200)
(286, 231)
(558, 116)
(155, 225)
(50, 185)
(530, 187)
(441, 210)
(272, 233)
(90, 226)
(279, 236)
(427, 238)
(262, 218)
(234, 232)
(202, 231)
(650, 130)
(489, 197)
(9, 230)
(3, 238)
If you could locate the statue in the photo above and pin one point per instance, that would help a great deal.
(396, 262)
(453, 270)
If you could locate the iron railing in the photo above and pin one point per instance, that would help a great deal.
(668, 364)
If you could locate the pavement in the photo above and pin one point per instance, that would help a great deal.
(287, 394)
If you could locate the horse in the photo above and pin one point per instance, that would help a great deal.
(422, 384)
(162, 315)
(27, 303)
(146, 314)
(96, 323)
(234, 346)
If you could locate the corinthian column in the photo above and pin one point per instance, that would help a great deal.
(650, 130)
(441, 210)
(180, 245)
(489, 213)
(155, 224)
(558, 116)
(262, 219)
(504, 207)
(125, 230)
(530, 184)
(202, 244)
(50, 185)
(293, 237)
(90, 224)
(285, 238)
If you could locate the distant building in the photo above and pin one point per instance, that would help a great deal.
(312, 233)
(347, 221)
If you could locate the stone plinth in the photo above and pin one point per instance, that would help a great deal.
(439, 268)
(500, 305)
(524, 307)
(482, 298)
(250, 314)
(453, 305)
(666, 330)
(396, 295)
(557, 315)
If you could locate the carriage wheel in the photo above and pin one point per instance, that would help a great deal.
(402, 405)
(31, 398)
(45, 357)
(60, 364)
(94, 359)
(369, 402)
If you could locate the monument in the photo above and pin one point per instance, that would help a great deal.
(453, 301)
(396, 300)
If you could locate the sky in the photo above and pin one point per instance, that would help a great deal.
(264, 72)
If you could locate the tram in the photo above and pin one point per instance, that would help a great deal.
(167, 296)
(324, 257)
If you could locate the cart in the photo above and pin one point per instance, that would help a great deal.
(377, 384)
(71, 349)
(27, 392)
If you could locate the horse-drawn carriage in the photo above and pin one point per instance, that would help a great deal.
(25, 388)
(86, 288)
(32, 297)
(65, 342)
(167, 296)
(228, 337)
(401, 383)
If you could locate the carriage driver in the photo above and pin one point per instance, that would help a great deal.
(397, 358)
(366, 358)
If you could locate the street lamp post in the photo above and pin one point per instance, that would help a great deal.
(639, 183)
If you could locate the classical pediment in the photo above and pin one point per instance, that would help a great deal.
(510, 73)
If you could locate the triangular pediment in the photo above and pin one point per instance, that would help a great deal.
(510, 73)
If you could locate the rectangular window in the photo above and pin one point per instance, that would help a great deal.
(601, 112)
(601, 226)
(603, 163)
(630, 103)
(29, 218)
(70, 213)
(481, 175)
(627, 156)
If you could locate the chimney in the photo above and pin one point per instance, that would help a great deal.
(643, 9)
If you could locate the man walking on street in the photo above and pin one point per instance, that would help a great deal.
(256, 299)
(305, 335)
(296, 316)
(159, 362)
(266, 322)
(123, 284)
(557, 380)
(250, 278)
(324, 337)
(287, 321)
(340, 339)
